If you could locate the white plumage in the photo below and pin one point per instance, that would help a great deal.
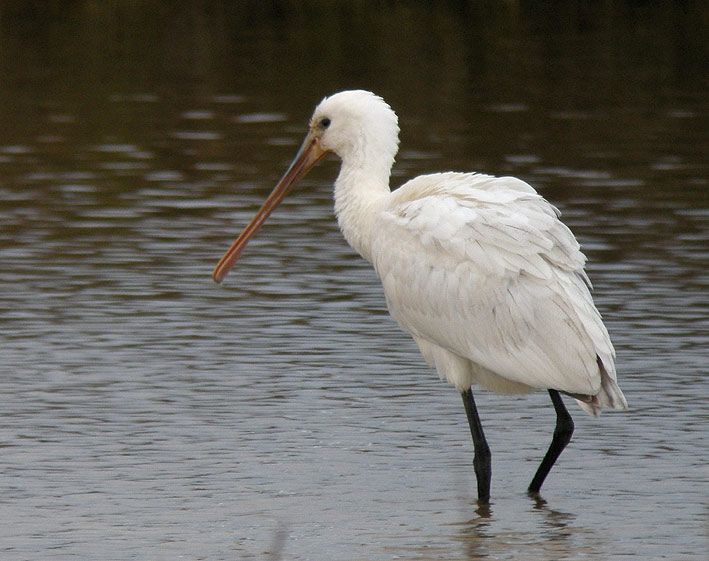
(478, 269)
(481, 269)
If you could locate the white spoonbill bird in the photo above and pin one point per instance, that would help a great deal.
(478, 269)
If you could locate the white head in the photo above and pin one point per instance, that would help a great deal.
(356, 125)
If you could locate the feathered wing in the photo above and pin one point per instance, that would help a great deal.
(490, 283)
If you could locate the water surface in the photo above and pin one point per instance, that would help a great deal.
(150, 414)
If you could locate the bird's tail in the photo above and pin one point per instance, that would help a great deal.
(610, 394)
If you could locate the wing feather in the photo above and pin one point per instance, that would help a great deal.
(483, 268)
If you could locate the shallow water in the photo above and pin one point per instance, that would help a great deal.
(150, 414)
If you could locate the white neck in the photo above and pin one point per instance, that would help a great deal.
(360, 194)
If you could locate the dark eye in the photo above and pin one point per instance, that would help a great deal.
(325, 123)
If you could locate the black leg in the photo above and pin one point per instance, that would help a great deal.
(482, 457)
(562, 435)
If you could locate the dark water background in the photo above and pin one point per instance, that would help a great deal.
(149, 414)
